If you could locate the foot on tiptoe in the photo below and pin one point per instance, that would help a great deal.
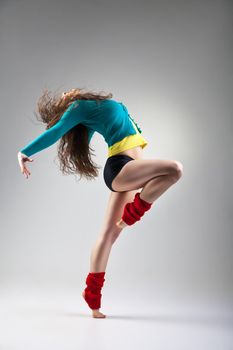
(121, 224)
(95, 313)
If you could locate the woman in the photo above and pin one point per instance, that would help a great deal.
(73, 118)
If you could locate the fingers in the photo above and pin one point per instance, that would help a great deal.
(26, 172)
(22, 167)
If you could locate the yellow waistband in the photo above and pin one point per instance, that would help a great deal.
(127, 143)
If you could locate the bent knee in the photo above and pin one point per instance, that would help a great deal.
(176, 170)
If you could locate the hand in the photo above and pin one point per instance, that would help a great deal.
(22, 159)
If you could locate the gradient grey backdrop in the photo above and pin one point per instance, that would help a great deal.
(170, 62)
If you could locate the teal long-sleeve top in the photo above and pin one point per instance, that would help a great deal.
(110, 118)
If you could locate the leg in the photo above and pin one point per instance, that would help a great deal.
(155, 176)
(108, 235)
(137, 173)
(109, 231)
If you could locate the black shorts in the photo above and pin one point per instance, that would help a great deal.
(113, 166)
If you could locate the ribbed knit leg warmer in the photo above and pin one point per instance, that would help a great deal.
(94, 281)
(135, 210)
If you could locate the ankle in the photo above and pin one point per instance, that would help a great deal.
(94, 281)
(135, 210)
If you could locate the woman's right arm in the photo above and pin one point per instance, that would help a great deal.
(70, 118)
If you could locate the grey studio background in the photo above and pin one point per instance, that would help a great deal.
(169, 280)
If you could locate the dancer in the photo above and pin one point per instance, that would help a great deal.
(73, 117)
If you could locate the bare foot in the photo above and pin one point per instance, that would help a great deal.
(95, 313)
(121, 224)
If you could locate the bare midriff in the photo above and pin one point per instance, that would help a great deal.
(135, 152)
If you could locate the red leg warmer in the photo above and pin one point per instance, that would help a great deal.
(135, 210)
(94, 281)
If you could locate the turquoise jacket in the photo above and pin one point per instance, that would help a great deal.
(108, 117)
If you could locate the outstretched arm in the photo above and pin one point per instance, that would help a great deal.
(71, 117)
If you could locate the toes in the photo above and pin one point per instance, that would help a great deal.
(98, 314)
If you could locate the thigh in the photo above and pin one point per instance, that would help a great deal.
(136, 173)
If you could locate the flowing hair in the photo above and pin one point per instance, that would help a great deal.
(74, 152)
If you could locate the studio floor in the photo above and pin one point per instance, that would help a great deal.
(51, 318)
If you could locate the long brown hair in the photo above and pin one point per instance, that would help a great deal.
(74, 152)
